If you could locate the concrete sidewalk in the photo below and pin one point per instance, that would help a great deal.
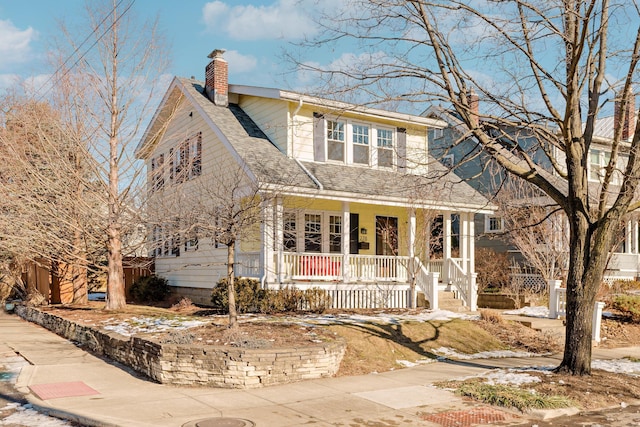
(125, 399)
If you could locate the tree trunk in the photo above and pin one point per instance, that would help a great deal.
(79, 271)
(233, 315)
(115, 273)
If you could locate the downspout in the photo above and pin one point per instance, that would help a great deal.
(313, 178)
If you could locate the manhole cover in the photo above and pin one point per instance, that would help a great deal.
(220, 422)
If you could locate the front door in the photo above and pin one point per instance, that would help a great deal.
(354, 224)
(386, 235)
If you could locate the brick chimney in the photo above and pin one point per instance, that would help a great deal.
(474, 105)
(216, 84)
(628, 116)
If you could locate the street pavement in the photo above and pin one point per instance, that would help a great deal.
(109, 394)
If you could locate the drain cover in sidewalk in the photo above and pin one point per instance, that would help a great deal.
(468, 417)
(220, 422)
(58, 390)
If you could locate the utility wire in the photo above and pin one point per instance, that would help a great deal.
(55, 74)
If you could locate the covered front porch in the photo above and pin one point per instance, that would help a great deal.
(365, 255)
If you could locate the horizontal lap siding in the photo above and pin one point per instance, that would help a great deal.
(271, 116)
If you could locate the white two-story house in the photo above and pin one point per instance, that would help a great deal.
(352, 201)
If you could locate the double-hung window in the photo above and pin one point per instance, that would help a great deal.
(335, 233)
(360, 140)
(313, 233)
(598, 160)
(335, 140)
(290, 232)
(385, 147)
(493, 224)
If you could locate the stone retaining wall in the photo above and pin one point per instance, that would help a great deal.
(500, 301)
(199, 364)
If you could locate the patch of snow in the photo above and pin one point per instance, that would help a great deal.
(510, 377)
(496, 354)
(26, 416)
(383, 318)
(408, 364)
(542, 312)
(138, 325)
(617, 366)
(12, 365)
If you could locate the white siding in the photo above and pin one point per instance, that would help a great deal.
(417, 151)
(201, 268)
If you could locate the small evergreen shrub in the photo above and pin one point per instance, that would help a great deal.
(317, 300)
(150, 289)
(247, 291)
(629, 305)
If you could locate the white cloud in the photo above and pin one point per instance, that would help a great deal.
(15, 43)
(284, 19)
(239, 63)
(8, 80)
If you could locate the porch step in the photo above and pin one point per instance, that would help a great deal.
(448, 301)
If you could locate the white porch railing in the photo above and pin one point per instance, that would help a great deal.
(464, 284)
(363, 269)
(558, 307)
(248, 264)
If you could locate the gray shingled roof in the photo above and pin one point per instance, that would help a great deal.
(270, 165)
(263, 158)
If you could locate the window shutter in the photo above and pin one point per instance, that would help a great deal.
(402, 150)
(319, 137)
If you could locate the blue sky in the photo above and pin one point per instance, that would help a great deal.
(254, 33)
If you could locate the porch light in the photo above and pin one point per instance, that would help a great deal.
(363, 230)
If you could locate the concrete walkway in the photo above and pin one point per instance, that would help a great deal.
(123, 398)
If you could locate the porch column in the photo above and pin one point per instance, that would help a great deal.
(472, 243)
(279, 238)
(627, 238)
(411, 266)
(635, 236)
(267, 239)
(464, 242)
(346, 236)
(446, 246)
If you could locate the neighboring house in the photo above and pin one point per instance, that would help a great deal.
(453, 147)
(352, 185)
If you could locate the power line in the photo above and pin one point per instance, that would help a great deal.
(55, 74)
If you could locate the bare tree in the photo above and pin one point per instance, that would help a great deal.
(211, 207)
(43, 188)
(112, 87)
(547, 66)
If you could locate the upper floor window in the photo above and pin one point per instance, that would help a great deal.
(385, 147)
(493, 224)
(360, 139)
(157, 172)
(335, 140)
(186, 159)
(598, 160)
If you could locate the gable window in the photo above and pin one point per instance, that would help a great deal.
(385, 147)
(335, 140)
(360, 139)
(185, 161)
(157, 172)
(493, 224)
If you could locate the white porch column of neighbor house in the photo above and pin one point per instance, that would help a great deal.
(628, 238)
(472, 243)
(279, 239)
(446, 246)
(412, 265)
(268, 221)
(634, 227)
(346, 236)
(464, 242)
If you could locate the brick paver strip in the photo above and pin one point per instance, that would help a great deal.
(58, 390)
(468, 417)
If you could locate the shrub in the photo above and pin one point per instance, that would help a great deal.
(512, 397)
(282, 300)
(317, 300)
(150, 289)
(247, 292)
(491, 316)
(629, 305)
(493, 269)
